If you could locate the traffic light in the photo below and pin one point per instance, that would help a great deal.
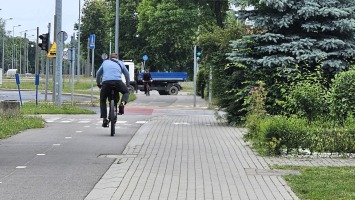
(45, 42)
(198, 52)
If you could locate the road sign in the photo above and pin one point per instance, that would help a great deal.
(62, 34)
(52, 52)
(92, 41)
(145, 57)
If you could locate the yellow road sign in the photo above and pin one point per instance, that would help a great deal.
(52, 51)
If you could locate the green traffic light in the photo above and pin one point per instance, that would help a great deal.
(198, 53)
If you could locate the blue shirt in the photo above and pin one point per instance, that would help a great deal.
(110, 70)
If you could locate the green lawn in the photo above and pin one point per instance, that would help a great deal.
(322, 183)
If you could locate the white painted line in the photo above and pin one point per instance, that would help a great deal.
(141, 122)
(181, 123)
(0, 182)
(78, 131)
(41, 154)
(68, 137)
(65, 121)
(21, 167)
(121, 122)
(49, 121)
(56, 144)
(83, 122)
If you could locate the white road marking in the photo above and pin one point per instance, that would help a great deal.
(68, 137)
(121, 122)
(83, 122)
(181, 123)
(66, 121)
(41, 154)
(78, 131)
(56, 144)
(21, 167)
(141, 122)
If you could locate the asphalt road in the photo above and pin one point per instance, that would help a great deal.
(31, 96)
(68, 157)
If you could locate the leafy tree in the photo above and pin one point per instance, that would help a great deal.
(95, 21)
(219, 9)
(169, 29)
(229, 82)
(303, 33)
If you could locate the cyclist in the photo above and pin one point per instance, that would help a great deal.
(147, 79)
(111, 71)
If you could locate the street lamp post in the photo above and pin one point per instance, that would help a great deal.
(21, 49)
(117, 26)
(13, 43)
(3, 45)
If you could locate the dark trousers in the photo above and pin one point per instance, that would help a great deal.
(119, 87)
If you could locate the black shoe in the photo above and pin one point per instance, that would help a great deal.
(121, 109)
(105, 123)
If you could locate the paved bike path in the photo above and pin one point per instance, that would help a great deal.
(190, 157)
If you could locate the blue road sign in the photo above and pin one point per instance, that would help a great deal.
(92, 41)
(145, 57)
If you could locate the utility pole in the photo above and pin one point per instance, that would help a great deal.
(59, 50)
(117, 26)
(78, 65)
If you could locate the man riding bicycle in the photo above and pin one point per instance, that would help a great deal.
(147, 79)
(111, 71)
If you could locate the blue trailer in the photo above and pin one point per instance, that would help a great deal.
(166, 83)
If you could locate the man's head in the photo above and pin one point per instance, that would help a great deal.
(114, 55)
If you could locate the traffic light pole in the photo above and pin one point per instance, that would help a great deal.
(47, 62)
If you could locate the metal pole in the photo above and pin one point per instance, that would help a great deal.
(92, 75)
(78, 66)
(195, 74)
(59, 50)
(13, 43)
(3, 46)
(110, 42)
(210, 87)
(47, 63)
(72, 61)
(117, 26)
(36, 48)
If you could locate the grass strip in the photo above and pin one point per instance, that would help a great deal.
(322, 183)
(11, 125)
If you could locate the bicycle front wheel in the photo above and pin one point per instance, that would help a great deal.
(112, 117)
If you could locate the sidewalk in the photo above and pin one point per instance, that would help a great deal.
(194, 156)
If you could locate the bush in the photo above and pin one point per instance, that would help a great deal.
(307, 99)
(342, 96)
(275, 135)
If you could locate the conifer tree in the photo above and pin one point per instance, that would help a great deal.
(302, 34)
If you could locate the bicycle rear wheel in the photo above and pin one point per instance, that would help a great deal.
(112, 117)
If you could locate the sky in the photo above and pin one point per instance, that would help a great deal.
(31, 14)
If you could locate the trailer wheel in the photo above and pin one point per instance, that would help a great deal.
(173, 90)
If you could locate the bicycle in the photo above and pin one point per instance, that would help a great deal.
(112, 117)
(147, 87)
